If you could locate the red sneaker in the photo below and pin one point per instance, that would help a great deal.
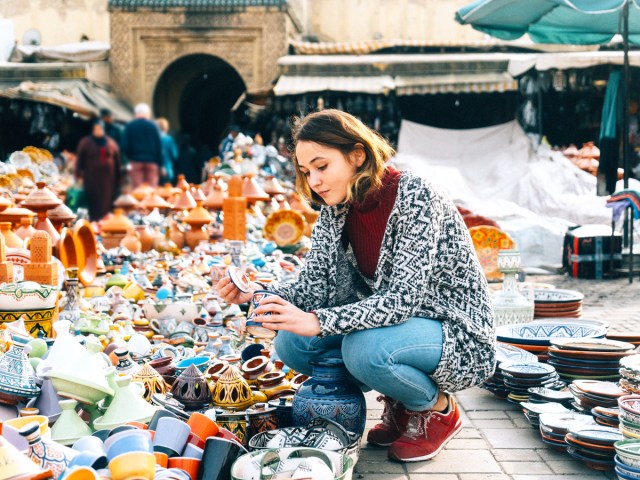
(394, 420)
(426, 434)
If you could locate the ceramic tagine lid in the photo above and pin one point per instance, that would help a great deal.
(154, 201)
(142, 191)
(198, 217)
(69, 427)
(127, 406)
(17, 377)
(166, 191)
(198, 194)
(41, 199)
(185, 200)
(215, 198)
(191, 389)
(152, 381)
(116, 223)
(231, 391)
(126, 201)
(272, 187)
(16, 466)
(252, 191)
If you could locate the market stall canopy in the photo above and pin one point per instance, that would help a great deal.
(69, 52)
(569, 60)
(81, 96)
(407, 74)
(576, 22)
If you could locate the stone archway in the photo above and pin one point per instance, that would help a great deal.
(196, 93)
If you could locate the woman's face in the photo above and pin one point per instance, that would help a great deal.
(98, 131)
(327, 170)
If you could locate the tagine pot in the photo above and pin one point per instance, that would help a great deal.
(231, 391)
(329, 393)
(17, 377)
(69, 427)
(191, 389)
(152, 381)
(126, 406)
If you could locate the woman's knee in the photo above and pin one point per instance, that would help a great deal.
(364, 359)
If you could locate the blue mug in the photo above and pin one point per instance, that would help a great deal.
(255, 329)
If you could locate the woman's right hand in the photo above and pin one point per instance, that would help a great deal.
(231, 294)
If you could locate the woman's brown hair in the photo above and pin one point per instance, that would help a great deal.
(344, 132)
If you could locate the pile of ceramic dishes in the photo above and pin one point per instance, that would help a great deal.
(625, 337)
(520, 377)
(593, 445)
(506, 354)
(557, 303)
(532, 411)
(555, 426)
(630, 416)
(588, 358)
(609, 417)
(535, 337)
(547, 395)
(630, 374)
(589, 394)
(627, 459)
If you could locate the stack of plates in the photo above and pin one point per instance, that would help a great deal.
(593, 445)
(606, 416)
(595, 393)
(555, 426)
(588, 358)
(630, 373)
(629, 338)
(533, 411)
(547, 395)
(627, 459)
(630, 416)
(506, 354)
(557, 303)
(519, 377)
(536, 336)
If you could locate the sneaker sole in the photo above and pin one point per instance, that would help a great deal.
(433, 454)
(376, 444)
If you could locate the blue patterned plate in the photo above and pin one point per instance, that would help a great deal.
(508, 353)
(528, 370)
(541, 332)
(556, 295)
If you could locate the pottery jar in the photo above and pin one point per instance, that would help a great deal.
(46, 454)
(164, 366)
(273, 382)
(231, 391)
(17, 466)
(255, 367)
(17, 377)
(262, 418)
(235, 422)
(331, 394)
(191, 389)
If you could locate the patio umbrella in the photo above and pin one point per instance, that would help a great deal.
(575, 22)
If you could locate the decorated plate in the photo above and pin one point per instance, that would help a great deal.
(285, 227)
(562, 422)
(592, 344)
(542, 332)
(488, 241)
(239, 279)
(528, 369)
(588, 355)
(605, 389)
(597, 434)
(556, 296)
(509, 353)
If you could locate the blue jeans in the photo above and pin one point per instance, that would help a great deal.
(395, 361)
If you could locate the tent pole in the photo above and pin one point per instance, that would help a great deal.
(625, 94)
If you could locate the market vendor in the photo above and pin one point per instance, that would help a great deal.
(392, 285)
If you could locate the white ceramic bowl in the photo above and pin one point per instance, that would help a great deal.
(181, 311)
(21, 296)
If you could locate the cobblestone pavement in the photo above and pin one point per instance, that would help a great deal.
(497, 442)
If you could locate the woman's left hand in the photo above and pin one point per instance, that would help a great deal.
(285, 316)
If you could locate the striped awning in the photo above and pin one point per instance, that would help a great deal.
(295, 85)
(455, 83)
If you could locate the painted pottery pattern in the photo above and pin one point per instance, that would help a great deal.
(236, 423)
(152, 381)
(17, 377)
(191, 389)
(232, 391)
(488, 241)
(47, 455)
(329, 394)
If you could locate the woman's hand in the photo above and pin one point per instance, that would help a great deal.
(231, 294)
(285, 316)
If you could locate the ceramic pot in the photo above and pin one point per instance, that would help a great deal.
(16, 466)
(273, 382)
(69, 427)
(164, 366)
(146, 237)
(152, 381)
(127, 405)
(47, 455)
(219, 455)
(125, 365)
(132, 242)
(12, 240)
(329, 393)
(191, 389)
(34, 302)
(232, 391)
(262, 418)
(17, 378)
(235, 422)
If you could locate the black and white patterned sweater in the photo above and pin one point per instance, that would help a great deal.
(427, 268)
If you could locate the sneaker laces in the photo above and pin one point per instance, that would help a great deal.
(387, 413)
(418, 423)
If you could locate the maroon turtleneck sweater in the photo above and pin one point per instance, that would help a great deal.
(367, 221)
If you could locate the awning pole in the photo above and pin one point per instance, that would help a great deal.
(625, 94)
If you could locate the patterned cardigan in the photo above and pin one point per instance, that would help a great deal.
(427, 268)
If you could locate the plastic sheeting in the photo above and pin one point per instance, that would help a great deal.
(533, 193)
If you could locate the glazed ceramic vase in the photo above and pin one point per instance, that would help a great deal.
(69, 427)
(17, 466)
(46, 454)
(152, 381)
(329, 393)
(126, 406)
(509, 305)
(125, 365)
(17, 378)
(191, 389)
(231, 391)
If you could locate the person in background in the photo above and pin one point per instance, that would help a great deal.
(188, 159)
(392, 285)
(142, 145)
(98, 169)
(169, 150)
(111, 129)
(227, 144)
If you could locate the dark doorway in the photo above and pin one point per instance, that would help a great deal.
(196, 94)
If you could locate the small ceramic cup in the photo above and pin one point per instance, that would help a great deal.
(191, 451)
(202, 425)
(189, 465)
(160, 413)
(219, 455)
(128, 441)
(89, 459)
(171, 433)
(90, 444)
(138, 465)
(254, 328)
(81, 473)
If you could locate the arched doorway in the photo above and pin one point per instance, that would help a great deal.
(196, 93)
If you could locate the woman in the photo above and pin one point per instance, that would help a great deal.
(169, 150)
(98, 167)
(391, 284)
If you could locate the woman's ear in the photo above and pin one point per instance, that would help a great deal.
(358, 155)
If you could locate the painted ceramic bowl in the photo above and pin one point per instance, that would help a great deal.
(25, 296)
(180, 311)
(541, 332)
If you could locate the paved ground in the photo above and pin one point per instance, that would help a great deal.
(497, 442)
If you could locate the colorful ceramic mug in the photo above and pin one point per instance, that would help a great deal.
(256, 329)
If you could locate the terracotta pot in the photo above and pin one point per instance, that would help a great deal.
(11, 239)
(25, 230)
(132, 242)
(146, 237)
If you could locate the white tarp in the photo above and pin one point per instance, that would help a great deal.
(533, 194)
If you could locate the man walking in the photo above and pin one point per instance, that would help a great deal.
(142, 145)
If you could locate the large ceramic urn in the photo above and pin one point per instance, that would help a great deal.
(329, 393)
